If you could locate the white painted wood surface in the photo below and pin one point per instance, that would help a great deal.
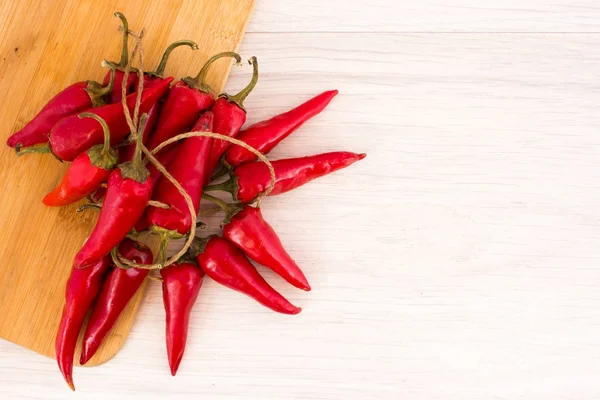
(459, 260)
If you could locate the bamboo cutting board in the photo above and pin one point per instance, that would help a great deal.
(46, 45)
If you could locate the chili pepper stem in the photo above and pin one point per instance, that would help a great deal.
(125, 47)
(198, 245)
(241, 96)
(229, 209)
(97, 92)
(89, 206)
(163, 61)
(101, 155)
(136, 168)
(42, 149)
(199, 82)
(226, 186)
(165, 236)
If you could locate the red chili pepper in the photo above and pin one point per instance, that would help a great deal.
(230, 116)
(226, 264)
(82, 288)
(74, 99)
(119, 287)
(186, 99)
(249, 180)
(189, 169)
(72, 135)
(181, 285)
(116, 92)
(87, 172)
(265, 135)
(128, 191)
(257, 239)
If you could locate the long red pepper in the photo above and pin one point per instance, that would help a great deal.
(72, 135)
(226, 264)
(128, 191)
(249, 231)
(249, 180)
(116, 92)
(76, 98)
(87, 171)
(265, 135)
(230, 116)
(181, 284)
(119, 287)
(82, 288)
(189, 169)
(186, 99)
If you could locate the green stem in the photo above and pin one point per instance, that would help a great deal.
(226, 186)
(105, 130)
(136, 169)
(125, 49)
(241, 96)
(163, 62)
(199, 82)
(89, 206)
(227, 208)
(198, 245)
(43, 149)
(97, 92)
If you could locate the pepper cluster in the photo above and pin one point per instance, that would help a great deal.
(109, 132)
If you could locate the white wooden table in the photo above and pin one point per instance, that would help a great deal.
(459, 260)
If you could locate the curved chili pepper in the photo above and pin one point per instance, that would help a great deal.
(230, 116)
(116, 93)
(82, 288)
(249, 180)
(257, 239)
(181, 284)
(74, 99)
(226, 264)
(189, 169)
(119, 287)
(265, 135)
(186, 99)
(71, 135)
(87, 172)
(128, 191)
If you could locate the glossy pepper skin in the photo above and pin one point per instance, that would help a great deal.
(265, 135)
(124, 203)
(76, 98)
(118, 289)
(230, 116)
(227, 265)
(82, 288)
(181, 284)
(189, 169)
(86, 173)
(186, 99)
(251, 179)
(249, 231)
(72, 136)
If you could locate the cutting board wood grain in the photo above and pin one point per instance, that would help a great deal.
(45, 46)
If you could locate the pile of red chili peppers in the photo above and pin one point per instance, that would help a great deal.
(89, 124)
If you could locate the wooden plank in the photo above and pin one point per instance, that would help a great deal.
(426, 16)
(44, 48)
